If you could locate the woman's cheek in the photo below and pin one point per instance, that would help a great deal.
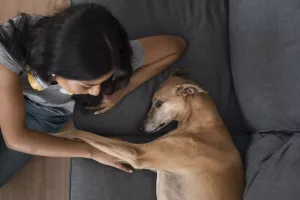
(74, 88)
(79, 90)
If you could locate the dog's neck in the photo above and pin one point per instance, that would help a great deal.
(200, 112)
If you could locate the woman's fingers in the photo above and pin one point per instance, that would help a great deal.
(122, 167)
(98, 107)
(95, 107)
(92, 107)
(106, 159)
(102, 110)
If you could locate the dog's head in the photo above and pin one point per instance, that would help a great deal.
(169, 102)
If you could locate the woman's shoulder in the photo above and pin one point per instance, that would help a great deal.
(19, 22)
(12, 41)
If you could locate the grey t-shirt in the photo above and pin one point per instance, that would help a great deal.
(51, 98)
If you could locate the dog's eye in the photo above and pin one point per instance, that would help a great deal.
(158, 103)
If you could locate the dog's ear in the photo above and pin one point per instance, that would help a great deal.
(182, 73)
(188, 89)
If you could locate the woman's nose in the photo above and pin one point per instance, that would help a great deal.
(95, 90)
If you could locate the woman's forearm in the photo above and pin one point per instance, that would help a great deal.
(147, 72)
(160, 52)
(42, 144)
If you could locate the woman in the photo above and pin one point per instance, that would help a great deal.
(45, 61)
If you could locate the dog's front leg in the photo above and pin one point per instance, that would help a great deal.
(128, 153)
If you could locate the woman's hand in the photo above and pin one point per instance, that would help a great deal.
(109, 101)
(95, 154)
(106, 159)
(159, 53)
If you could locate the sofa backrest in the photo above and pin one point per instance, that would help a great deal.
(265, 60)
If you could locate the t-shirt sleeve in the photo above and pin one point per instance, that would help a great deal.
(138, 54)
(7, 57)
(8, 61)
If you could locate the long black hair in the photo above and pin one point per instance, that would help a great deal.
(81, 42)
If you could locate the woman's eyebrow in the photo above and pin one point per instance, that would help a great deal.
(89, 84)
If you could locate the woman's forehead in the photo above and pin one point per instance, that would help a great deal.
(100, 79)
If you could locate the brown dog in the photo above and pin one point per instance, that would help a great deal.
(197, 161)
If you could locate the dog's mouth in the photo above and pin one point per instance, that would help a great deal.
(159, 127)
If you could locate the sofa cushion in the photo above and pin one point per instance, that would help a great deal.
(93, 182)
(204, 24)
(272, 167)
(265, 49)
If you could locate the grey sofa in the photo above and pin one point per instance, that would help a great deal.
(246, 55)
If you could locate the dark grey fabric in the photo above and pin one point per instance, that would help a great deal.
(265, 49)
(272, 167)
(204, 24)
(94, 182)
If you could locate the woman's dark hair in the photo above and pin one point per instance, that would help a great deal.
(81, 42)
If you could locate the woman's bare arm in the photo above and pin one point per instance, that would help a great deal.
(159, 53)
(19, 138)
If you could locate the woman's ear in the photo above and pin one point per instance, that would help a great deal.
(189, 89)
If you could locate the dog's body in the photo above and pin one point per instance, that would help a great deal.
(197, 161)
